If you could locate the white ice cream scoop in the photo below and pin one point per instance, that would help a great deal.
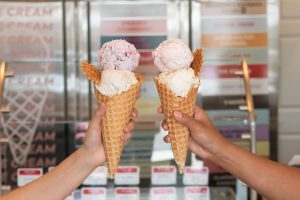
(180, 81)
(115, 82)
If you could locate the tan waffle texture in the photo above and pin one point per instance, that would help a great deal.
(118, 113)
(197, 62)
(170, 102)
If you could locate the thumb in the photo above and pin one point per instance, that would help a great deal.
(186, 120)
(98, 114)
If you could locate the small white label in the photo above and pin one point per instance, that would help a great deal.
(128, 193)
(27, 175)
(163, 193)
(196, 193)
(163, 175)
(195, 176)
(97, 177)
(127, 175)
(93, 193)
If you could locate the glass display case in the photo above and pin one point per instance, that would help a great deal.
(43, 42)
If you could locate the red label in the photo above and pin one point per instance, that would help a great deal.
(196, 171)
(197, 190)
(127, 191)
(93, 191)
(228, 71)
(164, 191)
(30, 172)
(163, 170)
(153, 26)
(127, 170)
(146, 58)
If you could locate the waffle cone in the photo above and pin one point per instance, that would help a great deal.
(178, 133)
(118, 113)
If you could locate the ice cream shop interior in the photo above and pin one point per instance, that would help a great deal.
(144, 60)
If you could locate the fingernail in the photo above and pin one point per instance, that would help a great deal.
(178, 114)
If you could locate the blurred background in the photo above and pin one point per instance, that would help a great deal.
(43, 42)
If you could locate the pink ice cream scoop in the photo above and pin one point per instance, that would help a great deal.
(172, 55)
(119, 55)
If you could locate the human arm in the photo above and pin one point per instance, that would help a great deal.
(272, 180)
(69, 174)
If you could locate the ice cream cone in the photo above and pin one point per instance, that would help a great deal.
(117, 116)
(118, 112)
(170, 102)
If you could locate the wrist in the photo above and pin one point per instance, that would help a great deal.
(88, 156)
(217, 149)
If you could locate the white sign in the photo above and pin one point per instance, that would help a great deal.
(127, 193)
(97, 177)
(163, 175)
(127, 175)
(196, 193)
(163, 193)
(93, 193)
(195, 176)
(27, 175)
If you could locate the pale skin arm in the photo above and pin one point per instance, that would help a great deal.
(68, 175)
(272, 180)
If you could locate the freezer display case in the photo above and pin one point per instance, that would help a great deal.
(50, 102)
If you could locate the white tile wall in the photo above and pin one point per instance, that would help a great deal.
(289, 72)
(289, 88)
(290, 27)
(290, 8)
(289, 121)
(288, 146)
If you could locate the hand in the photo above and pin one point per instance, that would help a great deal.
(93, 140)
(204, 138)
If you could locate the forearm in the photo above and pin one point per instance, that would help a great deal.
(59, 182)
(270, 179)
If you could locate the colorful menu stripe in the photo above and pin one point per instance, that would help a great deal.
(236, 118)
(234, 40)
(253, 55)
(233, 86)
(134, 26)
(233, 102)
(236, 132)
(262, 147)
(236, 7)
(229, 71)
(146, 57)
(140, 42)
(233, 24)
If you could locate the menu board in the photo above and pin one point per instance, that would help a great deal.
(232, 31)
(136, 23)
(31, 44)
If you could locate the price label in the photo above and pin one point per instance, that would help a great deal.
(163, 193)
(163, 175)
(27, 175)
(127, 175)
(128, 193)
(195, 176)
(93, 193)
(197, 193)
(97, 177)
